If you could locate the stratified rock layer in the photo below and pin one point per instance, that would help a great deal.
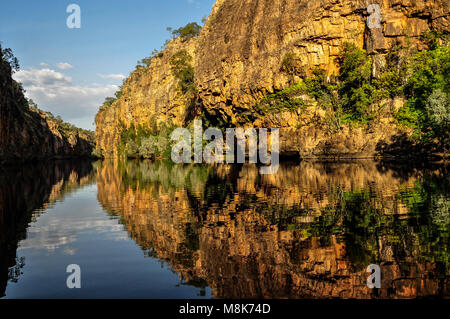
(238, 60)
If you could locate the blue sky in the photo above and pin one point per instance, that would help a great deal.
(70, 71)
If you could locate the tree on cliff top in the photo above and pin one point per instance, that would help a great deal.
(190, 30)
(6, 55)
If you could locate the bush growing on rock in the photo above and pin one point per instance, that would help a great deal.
(190, 30)
(7, 56)
(438, 108)
(148, 148)
(153, 147)
(182, 69)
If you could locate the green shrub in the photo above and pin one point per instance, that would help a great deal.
(288, 99)
(148, 148)
(154, 146)
(438, 108)
(428, 70)
(427, 91)
(182, 69)
(316, 86)
(190, 30)
(355, 76)
(7, 56)
(392, 79)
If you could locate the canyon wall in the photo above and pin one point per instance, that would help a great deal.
(150, 97)
(238, 60)
(27, 134)
(241, 47)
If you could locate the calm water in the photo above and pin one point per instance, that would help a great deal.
(157, 230)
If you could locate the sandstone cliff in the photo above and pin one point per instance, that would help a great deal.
(29, 134)
(238, 60)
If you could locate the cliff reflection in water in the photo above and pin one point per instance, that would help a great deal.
(308, 231)
(26, 191)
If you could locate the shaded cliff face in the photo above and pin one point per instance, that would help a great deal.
(24, 190)
(238, 59)
(26, 134)
(308, 231)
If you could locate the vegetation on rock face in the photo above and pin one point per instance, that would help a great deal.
(28, 133)
(66, 129)
(289, 99)
(8, 57)
(356, 95)
(145, 142)
(181, 64)
(189, 31)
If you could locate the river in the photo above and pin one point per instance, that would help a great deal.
(141, 229)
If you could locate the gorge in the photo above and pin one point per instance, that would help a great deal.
(363, 112)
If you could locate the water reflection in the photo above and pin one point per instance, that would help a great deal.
(25, 192)
(308, 231)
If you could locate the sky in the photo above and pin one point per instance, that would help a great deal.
(69, 72)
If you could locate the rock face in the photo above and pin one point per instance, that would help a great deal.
(241, 48)
(26, 134)
(238, 60)
(150, 97)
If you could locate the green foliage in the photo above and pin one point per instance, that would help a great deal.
(286, 100)
(392, 79)
(356, 87)
(145, 142)
(32, 105)
(108, 102)
(190, 30)
(182, 69)
(428, 93)
(147, 61)
(119, 92)
(428, 70)
(433, 39)
(438, 109)
(438, 106)
(316, 86)
(7, 56)
(153, 146)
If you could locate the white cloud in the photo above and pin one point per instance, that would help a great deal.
(54, 91)
(112, 76)
(64, 66)
(42, 77)
(43, 64)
